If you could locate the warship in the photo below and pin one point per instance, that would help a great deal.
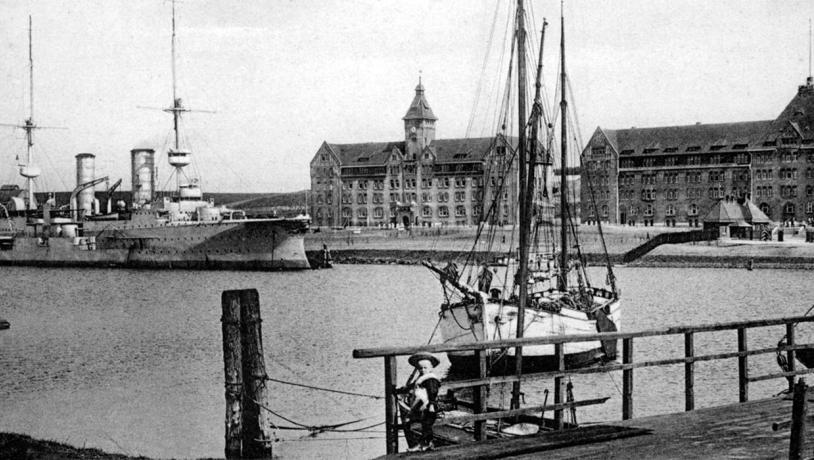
(179, 230)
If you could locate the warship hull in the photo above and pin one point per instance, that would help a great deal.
(249, 244)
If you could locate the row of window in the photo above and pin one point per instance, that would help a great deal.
(651, 194)
(410, 183)
(379, 213)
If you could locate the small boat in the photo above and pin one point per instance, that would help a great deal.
(4, 324)
(805, 356)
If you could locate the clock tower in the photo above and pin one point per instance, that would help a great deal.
(419, 124)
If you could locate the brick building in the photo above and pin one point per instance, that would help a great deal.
(418, 180)
(673, 175)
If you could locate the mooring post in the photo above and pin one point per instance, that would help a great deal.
(743, 366)
(233, 372)
(257, 442)
(559, 386)
(798, 421)
(790, 353)
(480, 396)
(391, 405)
(627, 379)
(689, 373)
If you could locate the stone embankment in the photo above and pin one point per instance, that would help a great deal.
(389, 246)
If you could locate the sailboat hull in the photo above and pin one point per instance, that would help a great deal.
(465, 324)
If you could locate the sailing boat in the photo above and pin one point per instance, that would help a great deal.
(545, 291)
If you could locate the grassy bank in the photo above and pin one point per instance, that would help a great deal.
(20, 446)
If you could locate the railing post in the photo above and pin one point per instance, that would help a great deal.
(799, 409)
(559, 385)
(689, 373)
(480, 396)
(627, 379)
(743, 366)
(390, 405)
(790, 353)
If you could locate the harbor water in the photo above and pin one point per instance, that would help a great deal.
(130, 361)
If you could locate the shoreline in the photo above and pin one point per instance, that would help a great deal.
(416, 257)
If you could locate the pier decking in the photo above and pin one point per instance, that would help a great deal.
(740, 430)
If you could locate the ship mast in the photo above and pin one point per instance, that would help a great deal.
(29, 125)
(563, 281)
(524, 201)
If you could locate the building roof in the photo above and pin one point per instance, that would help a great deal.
(728, 211)
(419, 108)
(445, 150)
(636, 141)
(799, 113)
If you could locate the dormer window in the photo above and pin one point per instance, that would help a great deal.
(717, 147)
(670, 149)
(694, 148)
(459, 156)
(650, 150)
(362, 160)
(627, 152)
(739, 146)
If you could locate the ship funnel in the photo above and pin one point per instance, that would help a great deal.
(143, 164)
(85, 172)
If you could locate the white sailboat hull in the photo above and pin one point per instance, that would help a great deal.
(465, 324)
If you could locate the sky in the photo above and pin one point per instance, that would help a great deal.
(284, 76)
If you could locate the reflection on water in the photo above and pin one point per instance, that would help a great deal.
(131, 361)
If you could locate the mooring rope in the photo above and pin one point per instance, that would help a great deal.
(329, 390)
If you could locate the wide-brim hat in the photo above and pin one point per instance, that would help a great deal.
(421, 356)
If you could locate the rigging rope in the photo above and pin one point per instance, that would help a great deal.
(311, 387)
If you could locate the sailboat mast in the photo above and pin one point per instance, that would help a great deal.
(522, 272)
(175, 105)
(563, 282)
(29, 124)
(536, 114)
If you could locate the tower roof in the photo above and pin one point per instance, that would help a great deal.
(420, 108)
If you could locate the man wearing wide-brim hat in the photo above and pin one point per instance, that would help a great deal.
(424, 392)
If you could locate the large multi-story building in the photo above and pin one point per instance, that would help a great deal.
(674, 175)
(419, 180)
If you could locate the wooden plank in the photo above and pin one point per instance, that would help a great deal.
(627, 380)
(790, 353)
(780, 374)
(493, 415)
(480, 397)
(390, 405)
(559, 386)
(256, 424)
(689, 373)
(548, 441)
(743, 366)
(527, 341)
(799, 410)
(232, 370)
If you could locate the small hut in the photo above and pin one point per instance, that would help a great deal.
(736, 218)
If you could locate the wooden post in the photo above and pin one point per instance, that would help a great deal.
(743, 367)
(689, 373)
(627, 379)
(256, 424)
(480, 396)
(790, 354)
(559, 386)
(233, 373)
(391, 405)
(799, 408)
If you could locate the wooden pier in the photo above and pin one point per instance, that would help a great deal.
(740, 430)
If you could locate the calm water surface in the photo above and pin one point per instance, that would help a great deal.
(131, 361)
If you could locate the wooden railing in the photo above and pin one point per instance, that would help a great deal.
(627, 366)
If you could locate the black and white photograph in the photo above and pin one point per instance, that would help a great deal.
(430, 229)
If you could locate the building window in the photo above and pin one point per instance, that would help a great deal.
(378, 213)
(648, 210)
(361, 198)
(789, 208)
(426, 211)
(670, 211)
(460, 211)
(443, 211)
(362, 213)
(810, 207)
(692, 210)
(604, 210)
